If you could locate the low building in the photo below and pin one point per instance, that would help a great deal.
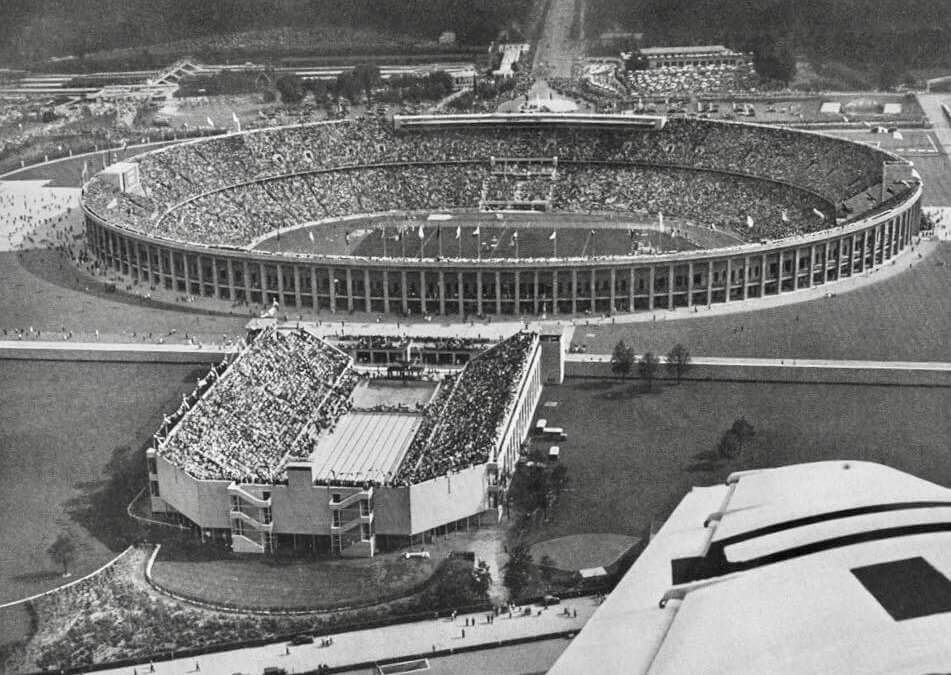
(703, 55)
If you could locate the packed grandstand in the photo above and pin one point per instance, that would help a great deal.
(761, 182)
(285, 392)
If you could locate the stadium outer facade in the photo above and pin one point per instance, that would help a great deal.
(353, 521)
(466, 287)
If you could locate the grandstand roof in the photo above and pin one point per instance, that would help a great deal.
(363, 446)
(689, 51)
(858, 579)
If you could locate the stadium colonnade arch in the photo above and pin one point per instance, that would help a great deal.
(456, 286)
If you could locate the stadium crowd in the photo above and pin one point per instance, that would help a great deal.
(366, 166)
(754, 209)
(462, 423)
(242, 428)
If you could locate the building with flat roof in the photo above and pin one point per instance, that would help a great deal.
(827, 567)
(289, 446)
(699, 55)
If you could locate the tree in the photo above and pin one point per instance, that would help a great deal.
(518, 569)
(546, 567)
(732, 440)
(678, 361)
(647, 367)
(459, 583)
(622, 360)
(558, 479)
(63, 552)
(743, 431)
(728, 447)
(774, 60)
(291, 88)
(366, 76)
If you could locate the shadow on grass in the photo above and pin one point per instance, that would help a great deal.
(100, 506)
(706, 460)
(630, 390)
(595, 385)
(52, 267)
(35, 577)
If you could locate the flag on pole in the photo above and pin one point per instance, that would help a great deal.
(310, 235)
(476, 232)
(660, 219)
(553, 235)
(210, 122)
(785, 216)
(458, 231)
(237, 122)
(749, 221)
(819, 214)
(421, 234)
(514, 238)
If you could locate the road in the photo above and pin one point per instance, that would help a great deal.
(557, 50)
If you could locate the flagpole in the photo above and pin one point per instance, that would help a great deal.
(479, 240)
(383, 231)
(439, 238)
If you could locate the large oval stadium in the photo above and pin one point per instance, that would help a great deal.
(472, 215)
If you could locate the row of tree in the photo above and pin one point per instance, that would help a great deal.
(623, 361)
(364, 83)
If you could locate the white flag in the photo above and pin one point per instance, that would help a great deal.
(553, 235)
(660, 219)
(477, 231)
(749, 221)
(237, 122)
(210, 122)
(785, 216)
(421, 235)
(458, 231)
(819, 213)
(310, 235)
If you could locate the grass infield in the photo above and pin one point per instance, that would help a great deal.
(60, 423)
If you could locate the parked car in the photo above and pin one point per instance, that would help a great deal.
(416, 554)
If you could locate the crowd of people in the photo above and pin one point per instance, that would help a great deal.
(244, 426)
(462, 423)
(365, 166)
(753, 209)
(688, 80)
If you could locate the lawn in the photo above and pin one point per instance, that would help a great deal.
(905, 318)
(262, 583)
(43, 291)
(632, 456)
(60, 426)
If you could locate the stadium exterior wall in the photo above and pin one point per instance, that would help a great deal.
(507, 286)
(298, 513)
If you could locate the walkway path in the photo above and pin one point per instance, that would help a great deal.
(399, 641)
(811, 364)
